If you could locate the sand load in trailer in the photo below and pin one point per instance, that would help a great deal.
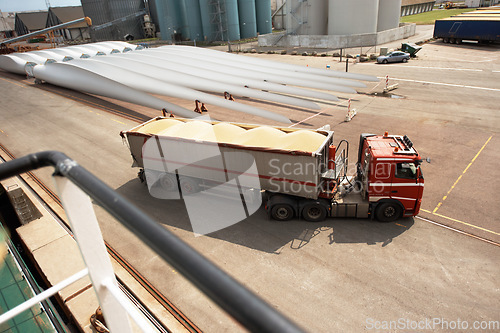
(287, 160)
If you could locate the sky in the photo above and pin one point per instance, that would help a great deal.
(28, 5)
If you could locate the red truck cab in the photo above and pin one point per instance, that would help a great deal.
(390, 175)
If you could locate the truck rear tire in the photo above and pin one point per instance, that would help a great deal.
(282, 212)
(388, 212)
(314, 212)
(446, 40)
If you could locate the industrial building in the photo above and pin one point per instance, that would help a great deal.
(481, 3)
(26, 22)
(338, 24)
(411, 7)
(115, 19)
(58, 15)
(7, 24)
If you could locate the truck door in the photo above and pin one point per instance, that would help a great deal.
(406, 186)
(381, 175)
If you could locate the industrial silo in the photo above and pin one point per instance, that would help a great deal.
(263, 14)
(206, 20)
(352, 17)
(247, 18)
(307, 17)
(388, 14)
(118, 15)
(232, 20)
(220, 20)
(191, 20)
(169, 19)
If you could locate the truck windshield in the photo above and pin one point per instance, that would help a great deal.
(406, 170)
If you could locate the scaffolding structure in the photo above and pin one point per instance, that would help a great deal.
(218, 20)
(297, 17)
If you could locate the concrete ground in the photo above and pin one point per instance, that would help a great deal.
(341, 274)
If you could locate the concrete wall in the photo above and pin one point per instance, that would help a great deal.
(338, 41)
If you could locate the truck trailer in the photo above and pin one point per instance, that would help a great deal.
(300, 171)
(481, 28)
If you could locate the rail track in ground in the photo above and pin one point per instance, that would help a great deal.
(6, 155)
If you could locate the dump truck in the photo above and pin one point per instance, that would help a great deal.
(300, 171)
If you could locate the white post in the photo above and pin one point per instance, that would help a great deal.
(86, 230)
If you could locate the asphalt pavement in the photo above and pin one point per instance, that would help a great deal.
(341, 274)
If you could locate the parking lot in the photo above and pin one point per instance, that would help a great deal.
(341, 274)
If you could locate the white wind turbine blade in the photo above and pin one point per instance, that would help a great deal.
(198, 83)
(48, 54)
(67, 52)
(122, 46)
(72, 77)
(276, 64)
(267, 73)
(209, 74)
(151, 85)
(12, 63)
(237, 71)
(30, 57)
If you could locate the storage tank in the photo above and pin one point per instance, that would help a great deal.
(263, 15)
(353, 16)
(247, 18)
(169, 19)
(191, 20)
(307, 17)
(388, 14)
(220, 20)
(232, 20)
(206, 20)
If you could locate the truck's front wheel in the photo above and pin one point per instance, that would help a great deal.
(388, 212)
(282, 212)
